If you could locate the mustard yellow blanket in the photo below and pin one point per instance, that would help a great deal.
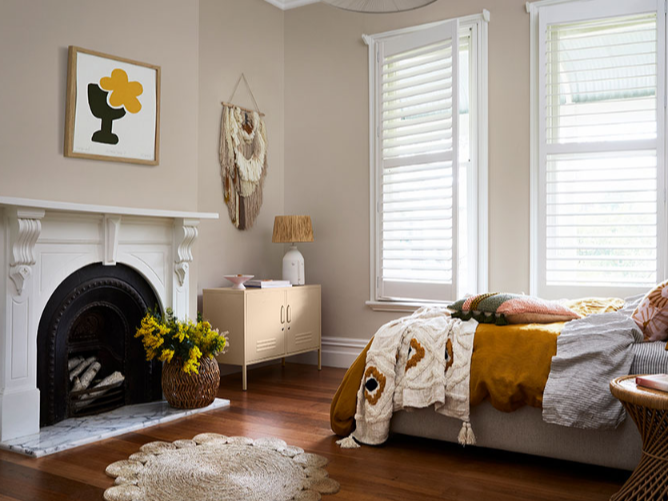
(510, 365)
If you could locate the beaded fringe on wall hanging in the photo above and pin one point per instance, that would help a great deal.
(243, 163)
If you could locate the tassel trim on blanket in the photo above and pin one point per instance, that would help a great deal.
(466, 436)
(348, 443)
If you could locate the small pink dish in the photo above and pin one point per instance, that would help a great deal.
(238, 281)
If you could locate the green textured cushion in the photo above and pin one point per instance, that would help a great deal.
(457, 306)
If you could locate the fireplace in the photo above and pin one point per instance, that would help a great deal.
(92, 316)
(77, 280)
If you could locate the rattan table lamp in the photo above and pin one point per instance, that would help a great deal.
(289, 230)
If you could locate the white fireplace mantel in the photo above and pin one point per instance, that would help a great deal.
(42, 243)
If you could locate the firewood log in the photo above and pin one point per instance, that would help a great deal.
(115, 377)
(84, 381)
(72, 363)
(81, 367)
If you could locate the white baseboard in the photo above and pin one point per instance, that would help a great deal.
(336, 352)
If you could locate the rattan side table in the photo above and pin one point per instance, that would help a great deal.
(649, 409)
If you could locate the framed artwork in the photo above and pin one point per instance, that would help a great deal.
(113, 108)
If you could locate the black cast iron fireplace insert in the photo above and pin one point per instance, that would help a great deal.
(94, 313)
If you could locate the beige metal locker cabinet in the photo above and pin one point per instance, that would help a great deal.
(265, 324)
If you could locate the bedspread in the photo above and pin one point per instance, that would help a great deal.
(591, 352)
(510, 365)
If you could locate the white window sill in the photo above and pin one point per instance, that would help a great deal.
(403, 306)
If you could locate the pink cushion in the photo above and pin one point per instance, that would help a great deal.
(651, 315)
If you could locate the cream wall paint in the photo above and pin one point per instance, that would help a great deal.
(327, 157)
(34, 37)
(235, 37)
(308, 70)
(202, 48)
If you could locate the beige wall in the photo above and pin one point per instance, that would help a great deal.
(308, 70)
(239, 36)
(34, 36)
(202, 48)
(327, 156)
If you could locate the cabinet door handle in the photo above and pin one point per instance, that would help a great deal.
(282, 314)
(289, 315)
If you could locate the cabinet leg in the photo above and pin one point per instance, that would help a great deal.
(319, 359)
(283, 361)
(244, 379)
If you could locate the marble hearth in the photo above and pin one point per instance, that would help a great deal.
(75, 432)
(41, 244)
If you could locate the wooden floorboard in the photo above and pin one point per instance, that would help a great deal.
(292, 403)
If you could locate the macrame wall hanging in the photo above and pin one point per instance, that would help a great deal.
(243, 159)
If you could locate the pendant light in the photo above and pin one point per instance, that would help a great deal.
(378, 6)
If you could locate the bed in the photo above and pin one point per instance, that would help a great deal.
(525, 431)
(512, 418)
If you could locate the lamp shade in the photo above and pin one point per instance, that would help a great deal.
(290, 229)
(378, 6)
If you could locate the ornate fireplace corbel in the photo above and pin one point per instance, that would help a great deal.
(112, 225)
(26, 227)
(185, 234)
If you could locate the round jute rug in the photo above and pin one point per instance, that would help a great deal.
(213, 467)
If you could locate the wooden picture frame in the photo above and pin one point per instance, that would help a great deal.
(113, 108)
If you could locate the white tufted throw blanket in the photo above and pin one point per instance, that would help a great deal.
(415, 362)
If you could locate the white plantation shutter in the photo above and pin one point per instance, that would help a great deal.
(601, 84)
(417, 157)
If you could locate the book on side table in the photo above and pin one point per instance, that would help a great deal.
(268, 284)
(654, 381)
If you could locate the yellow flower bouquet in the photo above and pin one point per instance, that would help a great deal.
(166, 338)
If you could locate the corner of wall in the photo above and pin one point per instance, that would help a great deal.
(222, 58)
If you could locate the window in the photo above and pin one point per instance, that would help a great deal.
(598, 166)
(426, 167)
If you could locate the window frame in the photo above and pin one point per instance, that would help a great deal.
(537, 265)
(477, 187)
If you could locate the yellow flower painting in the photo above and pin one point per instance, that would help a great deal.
(123, 92)
(110, 100)
(113, 108)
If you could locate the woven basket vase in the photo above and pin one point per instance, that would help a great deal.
(190, 391)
